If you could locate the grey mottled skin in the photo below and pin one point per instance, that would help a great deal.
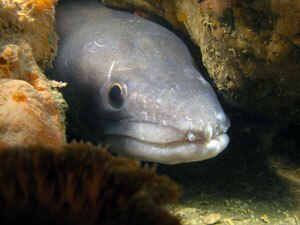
(170, 114)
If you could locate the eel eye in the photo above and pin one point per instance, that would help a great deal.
(116, 95)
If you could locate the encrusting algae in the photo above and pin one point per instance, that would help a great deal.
(31, 109)
(80, 184)
(27, 116)
(39, 5)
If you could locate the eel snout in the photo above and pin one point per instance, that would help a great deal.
(166, 144)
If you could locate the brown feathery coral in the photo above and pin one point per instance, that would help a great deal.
(80, 184)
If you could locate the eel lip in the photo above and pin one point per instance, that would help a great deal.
(169, 153)
(154, 133)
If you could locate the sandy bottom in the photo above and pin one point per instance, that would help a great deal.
(240, 186)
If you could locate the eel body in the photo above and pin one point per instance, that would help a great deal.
(133, 86)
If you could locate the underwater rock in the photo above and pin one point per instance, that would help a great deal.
(28, 116)
(250, 49)
(80, 184)
(30, 21)
(31, 109)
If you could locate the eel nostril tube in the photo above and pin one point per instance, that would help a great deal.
(191, 136)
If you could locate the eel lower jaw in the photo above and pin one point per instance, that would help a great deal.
(168, 153)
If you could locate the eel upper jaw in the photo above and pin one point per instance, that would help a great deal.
(164, 144)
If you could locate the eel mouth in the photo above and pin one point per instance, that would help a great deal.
(164, 144)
